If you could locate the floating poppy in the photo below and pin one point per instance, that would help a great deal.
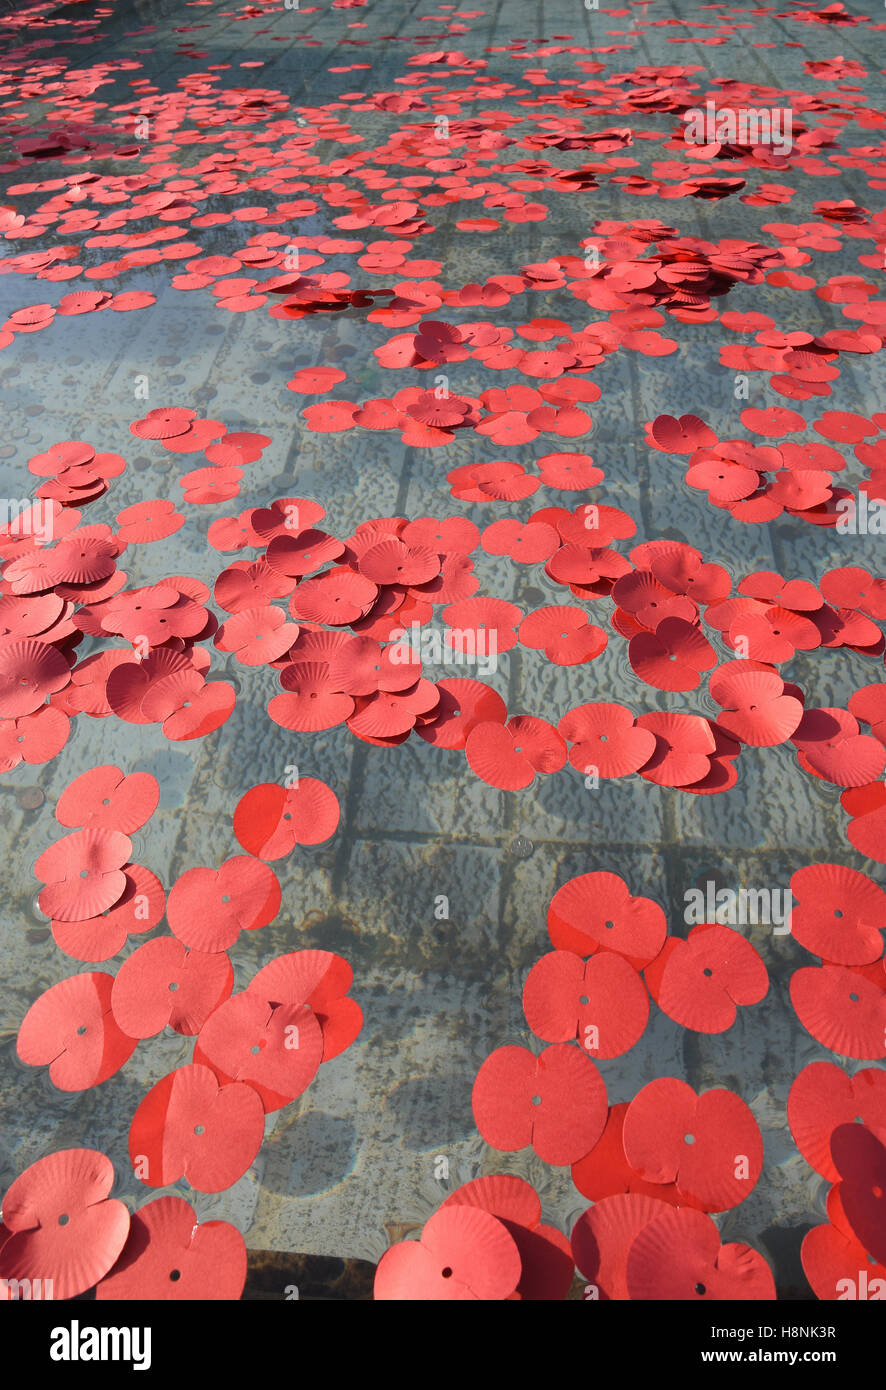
(163, 984)
(823, 1097)
(188, 1126)
(168, 1256)
(556, 1102)
(63, 1225)
(464, 1254)
(600, 1002)
(701, 982)
(70, 1028)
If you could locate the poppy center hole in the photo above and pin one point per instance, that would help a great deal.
(689, 1138)
(707, 970)
(255, 1049)
(837, 912)
(199, 1129)
(84, 873)
(536, 1100)
(446, 1273)
(63, 1219)
(175, 1275)
(609, 925)
(106, 801)
(854, 998)
(584, 999)
(226, 897)
(700, 1288)
(287, 815)
(173, 985)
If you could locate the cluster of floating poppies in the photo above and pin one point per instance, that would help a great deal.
(656, 1167)
(254, 1051)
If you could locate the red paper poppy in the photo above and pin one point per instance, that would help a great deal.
(106, 799)
(310, 701)
(672, 657)
(454, 534)
(34, 738)
(681, 436)
(163, 984)
(860, 1159)
(270, 820)
(148, 521)
(678, 1256)
(532, 544)
(139, 910)
(256, 636)
(701, 982)
(823, 1097)
(168, 1256)
(830, 746)
(843, 1010)
(321, 980)
(606, 740)
(597, 912)
(569, 472)
(545, 1256)
(463, 704)
(556, 1102)
(464, 1254)
(509, 755)
(277, 1050)
(604, 1171)
(838, 914)
(684, 744)
(601, 1002)
(70, 1028)
(83, 873)
(207, 908)
(62, 1224)
(756, 708)
(709, 1144)
(163, 423)
(602, 1239)
(338, 597)
(30, 671)
(564, 634)
(838, 1266)
(200, 712)
(188, 1126)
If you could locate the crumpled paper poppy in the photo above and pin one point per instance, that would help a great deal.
(83, 873)
(838, 914)
(596, 912)
(709, 1144)
(678, 1256)
(277, 1050)
(188, 1126)
(545, 1255)
(321, 980)
(270, 820)
(823, 1097)
(163, 984)
(107, 799)
(701, 982)
(71, 1029)
(62, 1223)
(555, 1102)
(464, 1254)
(168, 1256)
(601, 1002)
(208, 908)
